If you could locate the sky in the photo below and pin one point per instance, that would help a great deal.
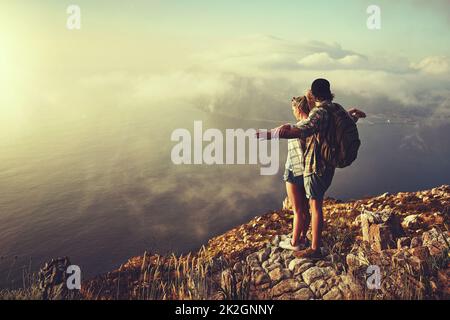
(91, 111)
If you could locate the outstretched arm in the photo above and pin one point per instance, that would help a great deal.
(306, 127)
(356, 114)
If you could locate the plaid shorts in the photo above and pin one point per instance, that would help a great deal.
(316, 186)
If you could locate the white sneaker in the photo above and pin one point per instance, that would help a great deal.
(287, 245)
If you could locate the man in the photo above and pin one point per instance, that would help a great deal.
(318, 174)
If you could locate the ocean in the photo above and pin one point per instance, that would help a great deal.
(100, 187)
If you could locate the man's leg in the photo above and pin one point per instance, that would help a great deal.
(315, 187)
(317, 223)
(307, 219)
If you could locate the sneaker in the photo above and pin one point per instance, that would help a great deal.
(287, 245)
(309, 253)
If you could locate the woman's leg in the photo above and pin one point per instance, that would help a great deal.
(307, 219)
(297, 198)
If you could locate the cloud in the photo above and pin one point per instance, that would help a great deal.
(323, 61)
(266, 71)
(435, 65)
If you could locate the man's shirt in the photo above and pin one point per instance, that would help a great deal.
(311, 130)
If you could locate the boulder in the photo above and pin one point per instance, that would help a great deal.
(302, 294)
(298, 266)
(436, 241)
(261, 278)
(319, 287)
(314, 273)
(381, 229)
(287, 286)
(412, 222)
(333, 294)
(273, 266)
(264, 254)
(278, 274)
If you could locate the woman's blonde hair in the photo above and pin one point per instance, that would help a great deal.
(301, 103)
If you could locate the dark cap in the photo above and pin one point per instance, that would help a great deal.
(320, 88)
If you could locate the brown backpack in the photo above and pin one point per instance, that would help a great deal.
(341, 143)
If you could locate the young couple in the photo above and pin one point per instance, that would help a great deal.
(308, 176)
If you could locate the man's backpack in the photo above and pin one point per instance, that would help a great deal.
(341, 143)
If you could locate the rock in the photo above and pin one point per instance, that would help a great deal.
(380, 237)
(403, 242)
(287, 286)
(303, 294)
(299, 269)
(333, 294)
(276, 241)
(298, 266)
(319, 287)
(412, 222)
(384, 195)
(287, 254)
(293, 264)
(226, 280)
(238, 267)
(273, 266)
(252, 258)
(287, 261)
(264, 254)
(323, 264)
(278, 274)
(312, 274)
(254, 265)
(421, 252)
(380, 229)
(436, 241)
(275, 250)
(261, 278)
(275, 258)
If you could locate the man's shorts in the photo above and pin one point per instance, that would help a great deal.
(316, 186)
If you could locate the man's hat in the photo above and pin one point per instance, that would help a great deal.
(321, 88)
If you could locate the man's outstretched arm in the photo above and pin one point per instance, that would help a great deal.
(304, 128)
(311, 125)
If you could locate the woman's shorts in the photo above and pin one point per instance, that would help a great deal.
(289, 177)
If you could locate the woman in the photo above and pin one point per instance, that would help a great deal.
(293, 177)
